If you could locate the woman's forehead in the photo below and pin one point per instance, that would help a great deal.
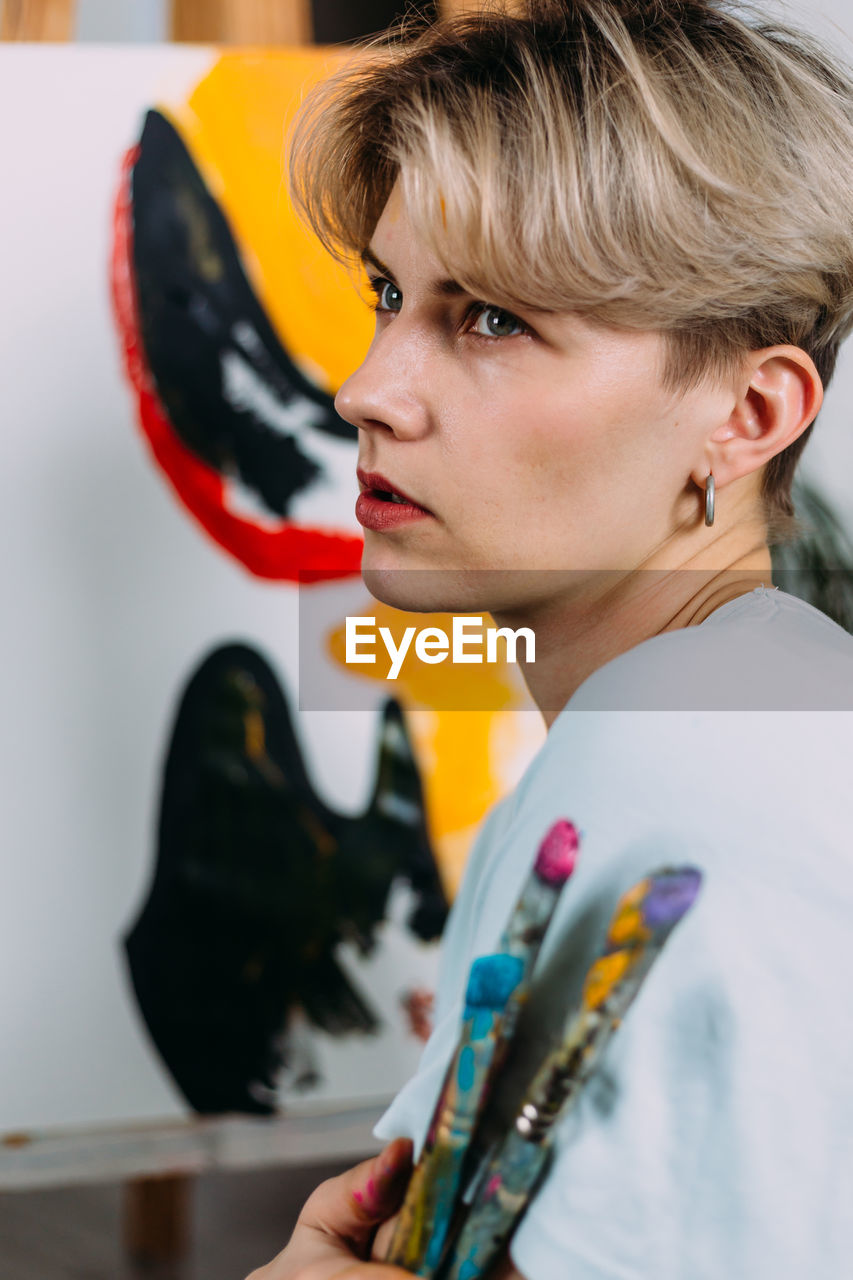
(398, 244)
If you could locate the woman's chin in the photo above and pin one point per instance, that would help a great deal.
(411, 590)
(437, 590)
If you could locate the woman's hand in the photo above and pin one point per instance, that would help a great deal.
(382, 1239)
(333, 1236)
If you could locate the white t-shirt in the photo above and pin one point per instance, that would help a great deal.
(716, 1140)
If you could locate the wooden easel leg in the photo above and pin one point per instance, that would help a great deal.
(37, 19)
(157, 1218)
(242, 21)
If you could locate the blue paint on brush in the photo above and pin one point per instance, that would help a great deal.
(466, 1068)
(492, 981)
(435, 1248)
(482, 1022)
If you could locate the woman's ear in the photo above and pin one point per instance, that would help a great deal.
(779, 394)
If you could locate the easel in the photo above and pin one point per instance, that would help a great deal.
(158, 1165)
(200, 21)
(37, 19)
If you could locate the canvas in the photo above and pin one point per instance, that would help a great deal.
(216, 901)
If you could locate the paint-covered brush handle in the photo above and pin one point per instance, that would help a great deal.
(641, 924)
(555, 861)
(497, 987)
(430, 1197)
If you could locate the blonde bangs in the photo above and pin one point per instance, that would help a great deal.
(666, 166)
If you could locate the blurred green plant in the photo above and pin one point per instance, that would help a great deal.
(818, 565)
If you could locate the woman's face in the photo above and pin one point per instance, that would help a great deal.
(532, 441)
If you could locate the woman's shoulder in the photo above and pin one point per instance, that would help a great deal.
(720, 743)
(767, 650)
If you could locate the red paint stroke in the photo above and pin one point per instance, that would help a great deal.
(290, 552)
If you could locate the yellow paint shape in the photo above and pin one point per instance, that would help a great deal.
(235, 124)
(458, 751)
(481, 686)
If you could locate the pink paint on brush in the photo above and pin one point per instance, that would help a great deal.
(558, 853)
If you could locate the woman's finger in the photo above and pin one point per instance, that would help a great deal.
(333, 1232)
(382, 1239)
(351, 1206)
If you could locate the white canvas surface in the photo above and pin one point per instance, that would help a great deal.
(111, 595)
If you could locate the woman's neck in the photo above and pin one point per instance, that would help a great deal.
(596, 617)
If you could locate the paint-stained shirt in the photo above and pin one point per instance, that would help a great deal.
(716, 1138)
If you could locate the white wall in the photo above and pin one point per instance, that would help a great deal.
(122, 20)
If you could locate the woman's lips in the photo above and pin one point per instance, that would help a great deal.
(375, 508)
(379, 514)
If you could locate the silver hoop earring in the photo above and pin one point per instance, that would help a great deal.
(709, 499)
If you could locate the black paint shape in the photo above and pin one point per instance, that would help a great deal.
(258, 881)
(197, 310)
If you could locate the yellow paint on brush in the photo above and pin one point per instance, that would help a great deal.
(603, 976)
(627, 927)
(635, 896)
(234, 124)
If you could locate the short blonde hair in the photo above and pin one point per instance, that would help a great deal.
(677, 165)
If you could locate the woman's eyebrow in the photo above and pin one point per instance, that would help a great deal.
(444, 288)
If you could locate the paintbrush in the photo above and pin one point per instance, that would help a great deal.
(641, 924)
(497, 986)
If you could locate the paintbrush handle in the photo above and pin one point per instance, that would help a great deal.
(497, 987)
(512, 1175)
(554, 863)
(424, 1218)
(507, 1188)
(644, 919)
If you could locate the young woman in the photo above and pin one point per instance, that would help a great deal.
(610, 247)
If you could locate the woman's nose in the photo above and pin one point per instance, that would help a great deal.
(383, 394)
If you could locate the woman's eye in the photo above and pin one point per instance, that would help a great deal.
(494, 322)
(388, 296)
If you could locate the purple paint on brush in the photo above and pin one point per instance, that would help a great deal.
(671, 896)
(558, 852)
